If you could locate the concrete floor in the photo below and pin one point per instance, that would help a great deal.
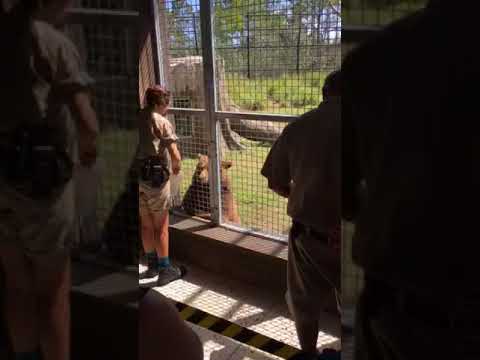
(245, 305)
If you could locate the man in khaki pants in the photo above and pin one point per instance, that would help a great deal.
(304, 166)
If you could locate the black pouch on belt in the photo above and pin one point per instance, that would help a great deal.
(155, 171)
(34, 159)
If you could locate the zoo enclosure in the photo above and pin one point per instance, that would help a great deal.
(239, 72)
(107, 34)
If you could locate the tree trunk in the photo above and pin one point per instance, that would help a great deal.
(265, 131)
(230, 138)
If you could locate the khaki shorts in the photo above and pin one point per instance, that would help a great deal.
(313, 276)
(154, 199)
(39, 227)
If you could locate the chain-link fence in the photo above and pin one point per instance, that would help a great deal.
(271, 58)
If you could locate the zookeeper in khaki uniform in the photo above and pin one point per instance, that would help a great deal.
(157, 158)
(304, 166)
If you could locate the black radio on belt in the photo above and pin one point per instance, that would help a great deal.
(155, 172)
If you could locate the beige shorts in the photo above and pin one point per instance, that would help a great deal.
(39, 227)
(313, 276)
(154, 199)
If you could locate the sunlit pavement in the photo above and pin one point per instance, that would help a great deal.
(245, 305)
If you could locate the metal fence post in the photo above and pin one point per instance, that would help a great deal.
(248, 46)
(206, 17)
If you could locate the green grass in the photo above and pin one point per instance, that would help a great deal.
(291, 94)
(259, 208)
(117, 149)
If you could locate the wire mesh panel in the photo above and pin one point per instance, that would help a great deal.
(352, 275)
(183, 53)
(374, 12)
(272, 58)
(111, 57)
(276, 54)
(146, 66)
(368, 13)
(246, 200)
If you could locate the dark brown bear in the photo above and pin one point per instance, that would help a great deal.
(196, 201)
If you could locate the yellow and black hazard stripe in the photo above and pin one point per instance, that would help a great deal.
(236, 332)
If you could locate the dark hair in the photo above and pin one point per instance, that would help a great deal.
(157, 96)
(332, 85)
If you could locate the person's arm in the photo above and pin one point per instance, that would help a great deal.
(73, 86)
(87, 126)
(277, 167)
(176, 158)
(164, 131)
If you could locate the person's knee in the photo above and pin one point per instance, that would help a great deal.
(52, 306)
(52, 280)
(21, 296)
(147, 225)
(55, 300)
(161, 221)
(15, 280)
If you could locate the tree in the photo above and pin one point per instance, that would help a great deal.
(268, 34)
(182, 27)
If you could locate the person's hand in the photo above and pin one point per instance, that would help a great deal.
(176, 167)
(88, 153)
(87, 126)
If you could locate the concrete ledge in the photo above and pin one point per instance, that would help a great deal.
(251, 259)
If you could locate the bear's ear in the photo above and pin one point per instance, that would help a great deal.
(227, 164)
(202, 160)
